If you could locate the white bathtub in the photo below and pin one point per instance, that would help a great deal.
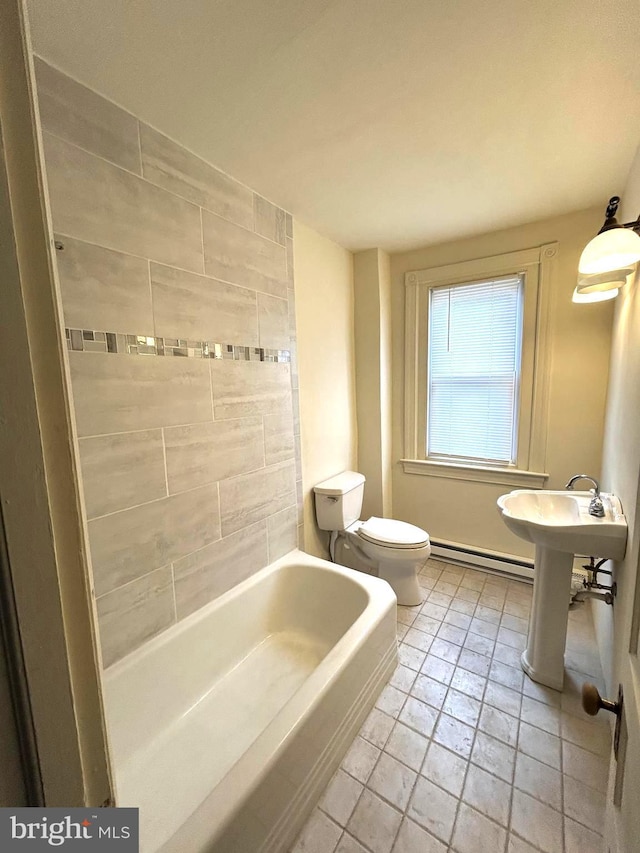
(225, 729)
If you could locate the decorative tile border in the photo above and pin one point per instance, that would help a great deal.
(88, 340)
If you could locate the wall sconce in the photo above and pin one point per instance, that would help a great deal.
(606, 260)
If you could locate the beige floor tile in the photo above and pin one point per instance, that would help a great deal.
(503, 698)
(494, 756)
(507, 654)
(587, 734)
(479, 664)
(488, 614)
(536, 823)
(480, 645)
(426, 623)
(377, 728)
(539, 780)
(460, 620)
(539, 744)
(496, 723)
(375, 823)
(474, 832)
(418, 639)
(445, 650)
(419, 716)
(348, 844)
(403, 678)
(429, 690)
(584, 804)
(517, 845)
(392, 780)
(320, 835)
(579, 839)
(452, 634)
(445, 769)
(541, 693)
(545, 717)
(433, 808)
(414, 839)
(468, 682)
(487, 794)
(508, 676)
(585, 766)
(462, 707)
(360, 759)
(410, 657)
(391, 700)
(437, 668)
(340, 798)
(407, 746)
(455, 735)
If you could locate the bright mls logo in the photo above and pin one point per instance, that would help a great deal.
(26, 830)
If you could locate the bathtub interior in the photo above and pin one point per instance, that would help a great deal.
(184, 708)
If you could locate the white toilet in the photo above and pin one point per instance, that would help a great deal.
(394, 549)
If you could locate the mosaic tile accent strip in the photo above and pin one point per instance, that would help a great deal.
(88, 340)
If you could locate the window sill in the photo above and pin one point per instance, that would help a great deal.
(475, 473)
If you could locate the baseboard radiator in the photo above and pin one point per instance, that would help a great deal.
(489, 561)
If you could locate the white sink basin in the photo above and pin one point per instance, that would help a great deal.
(559, 525)
(561, 521)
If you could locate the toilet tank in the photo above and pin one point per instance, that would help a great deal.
(339, 500)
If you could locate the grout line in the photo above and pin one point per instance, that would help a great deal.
(164, 456)
(204, 265)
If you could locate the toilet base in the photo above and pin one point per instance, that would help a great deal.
(403, 580)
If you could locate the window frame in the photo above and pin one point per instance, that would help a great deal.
(536, 266)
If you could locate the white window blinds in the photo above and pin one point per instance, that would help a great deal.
(475, 336)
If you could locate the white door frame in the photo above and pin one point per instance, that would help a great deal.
(41, 504)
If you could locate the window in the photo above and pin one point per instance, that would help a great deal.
(475, 369)
(473, 360)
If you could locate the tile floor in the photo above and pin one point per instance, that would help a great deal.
(462, 752)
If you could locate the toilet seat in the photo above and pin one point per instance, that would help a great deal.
(390, 533)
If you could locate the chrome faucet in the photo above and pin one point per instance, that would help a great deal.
(596, 507)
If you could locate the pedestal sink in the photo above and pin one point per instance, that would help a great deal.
(559, 525)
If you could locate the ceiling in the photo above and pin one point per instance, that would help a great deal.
(390, 123)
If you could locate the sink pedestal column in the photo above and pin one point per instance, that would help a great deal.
(543, 659)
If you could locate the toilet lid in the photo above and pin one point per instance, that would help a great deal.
(395, 534)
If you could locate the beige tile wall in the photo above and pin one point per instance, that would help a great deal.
(191, 467)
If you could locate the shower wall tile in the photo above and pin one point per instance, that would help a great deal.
(194, 306)
(273, 320)
(120, 471)
(97, 202)
(75, 113)
(205, 453)
(289, 257)
(175, 452)
(134, 542)
(133, 614)
(253, 497)
(237, 255)
(278, 437)
(283, 532)
(119, 393)
(269, 220)
(203, 576)
(103, 289)
(171, 166)
(242, 388)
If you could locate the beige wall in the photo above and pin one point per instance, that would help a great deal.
(324, 319)
(372, 301)
(188, 462)
(621, 475)
(579, 339)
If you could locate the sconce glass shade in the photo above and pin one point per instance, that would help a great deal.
(600, 282)
(610, 250)
(597, 296)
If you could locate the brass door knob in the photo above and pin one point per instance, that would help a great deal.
(592, 701)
